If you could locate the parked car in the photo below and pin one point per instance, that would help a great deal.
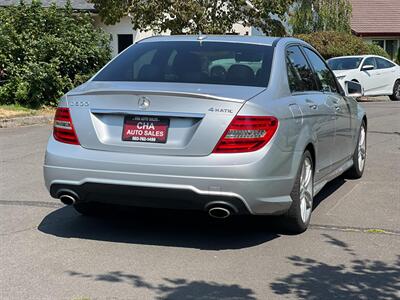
(164, 125)
(377, 75)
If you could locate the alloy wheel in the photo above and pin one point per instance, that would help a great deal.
(361, 149)
(306, 190)
(397, 90)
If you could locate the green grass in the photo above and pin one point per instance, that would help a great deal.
(16, 107)
(16, 110)
(376, 231)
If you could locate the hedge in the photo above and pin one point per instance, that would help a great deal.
(333, 44)
(44, 52)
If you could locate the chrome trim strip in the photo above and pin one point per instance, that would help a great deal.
(146, 113)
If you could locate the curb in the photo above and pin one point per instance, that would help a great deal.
(26, 121)
(373, 99)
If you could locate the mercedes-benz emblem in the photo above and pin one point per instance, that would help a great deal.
(144, 103)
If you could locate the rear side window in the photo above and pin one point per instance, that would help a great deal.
(192, 62)
(325, 77)
(300, 75)
(383, 63)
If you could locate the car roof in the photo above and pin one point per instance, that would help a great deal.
(262, 40)
(358, 56)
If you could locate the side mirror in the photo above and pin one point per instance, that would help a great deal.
(354, 89)
(367, 67)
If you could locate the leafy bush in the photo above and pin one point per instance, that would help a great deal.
(44, 52)
(377, 50)
(332, 44)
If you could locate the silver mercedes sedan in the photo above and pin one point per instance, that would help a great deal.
(228, 125)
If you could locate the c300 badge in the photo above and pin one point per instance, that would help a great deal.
(78, 103)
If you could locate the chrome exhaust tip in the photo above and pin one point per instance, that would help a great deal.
(67, 199)
(219, 212)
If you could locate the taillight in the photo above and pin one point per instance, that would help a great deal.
(63, 130)
(246, 134)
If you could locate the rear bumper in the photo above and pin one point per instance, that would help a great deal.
(154, 197)
(175, 182)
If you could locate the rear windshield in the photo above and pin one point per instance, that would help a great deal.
(347, 63)
(192, 62)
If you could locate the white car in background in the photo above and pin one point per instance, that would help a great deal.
(377, 75)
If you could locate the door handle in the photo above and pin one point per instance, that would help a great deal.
(337, 108)
(311, 104)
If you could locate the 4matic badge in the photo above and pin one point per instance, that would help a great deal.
(221, 110)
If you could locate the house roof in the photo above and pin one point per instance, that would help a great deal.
(376, 17)
(76, 4)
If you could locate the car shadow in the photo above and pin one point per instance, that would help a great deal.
(328, 190)
(170, 228)
(161, 227)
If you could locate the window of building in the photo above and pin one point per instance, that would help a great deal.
(124, 41)
(389, 45)
(380, 43)
(391, 48)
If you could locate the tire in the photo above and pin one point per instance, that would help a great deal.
(298, 217)
(396, 91)
(87, 208)
(360, 155)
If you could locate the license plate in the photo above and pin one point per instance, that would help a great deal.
(146, 129)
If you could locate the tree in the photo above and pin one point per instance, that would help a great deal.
(44, 52)
(194, 16)
(309, 16)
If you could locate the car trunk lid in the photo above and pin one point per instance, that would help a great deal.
(193, 116)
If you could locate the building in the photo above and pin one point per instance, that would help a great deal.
(378, 22)
(122, 34)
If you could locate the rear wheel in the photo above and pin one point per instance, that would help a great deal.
(396, 91)
(360, 155)
(299, 215)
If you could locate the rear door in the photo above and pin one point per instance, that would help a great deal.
(342, 147)
(313, 104)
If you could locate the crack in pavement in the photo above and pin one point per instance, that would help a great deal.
(31, 203)
(354, 229)
(385, 132)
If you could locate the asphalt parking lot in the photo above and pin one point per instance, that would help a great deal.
(352, 250)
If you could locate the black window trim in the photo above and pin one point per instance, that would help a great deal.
(308, 62)
(363, 63)
(338, 86)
